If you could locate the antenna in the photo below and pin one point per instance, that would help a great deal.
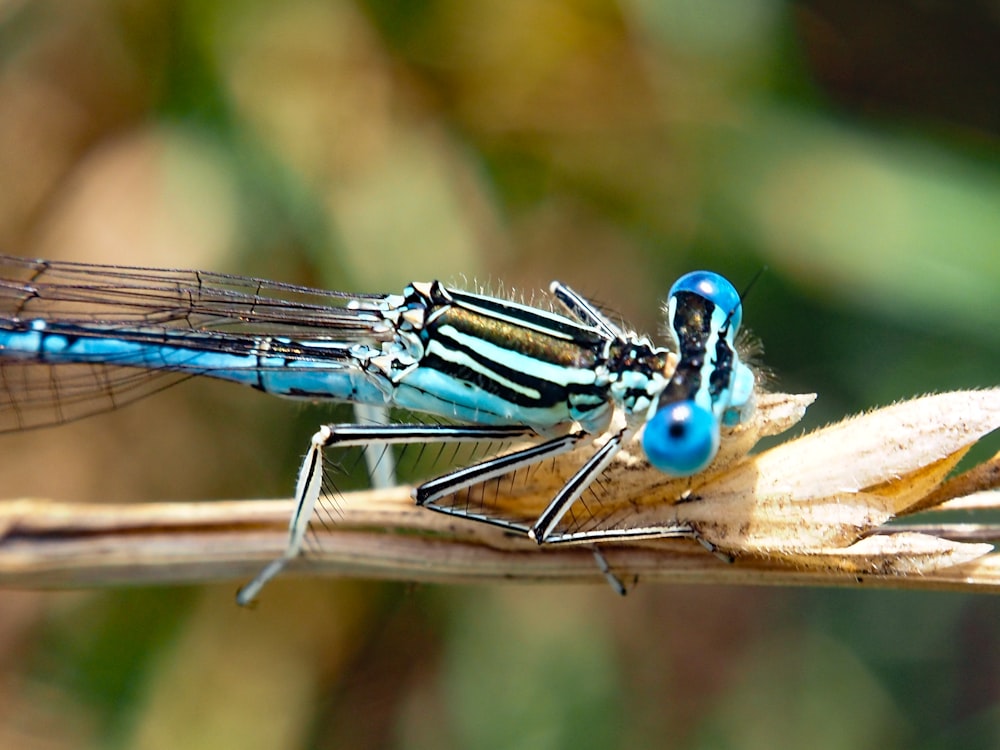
(743, 295)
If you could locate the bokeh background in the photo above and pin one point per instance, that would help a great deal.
(852, 148)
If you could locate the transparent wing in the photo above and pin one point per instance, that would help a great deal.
(223, 313)
(194, 300)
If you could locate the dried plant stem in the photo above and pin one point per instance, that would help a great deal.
(966, 491)
(380, 535)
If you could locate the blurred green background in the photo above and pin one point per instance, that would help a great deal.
(852, 148)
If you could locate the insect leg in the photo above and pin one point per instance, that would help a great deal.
(309, 484)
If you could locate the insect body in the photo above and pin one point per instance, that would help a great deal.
(76, 339)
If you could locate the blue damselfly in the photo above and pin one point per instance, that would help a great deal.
(77, 339)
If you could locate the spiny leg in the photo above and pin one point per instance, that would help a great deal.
(381, 466)
(594, 538)
(576, 486)
(428, 493)
(309, 483)
(583, 310)
(609, 575)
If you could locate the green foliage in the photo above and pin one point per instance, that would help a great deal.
(610, 145)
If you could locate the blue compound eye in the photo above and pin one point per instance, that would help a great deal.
(681, 439)
(716, 289)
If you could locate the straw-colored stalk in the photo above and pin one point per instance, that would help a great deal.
(815, 510)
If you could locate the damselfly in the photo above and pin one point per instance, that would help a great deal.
(77, 339)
